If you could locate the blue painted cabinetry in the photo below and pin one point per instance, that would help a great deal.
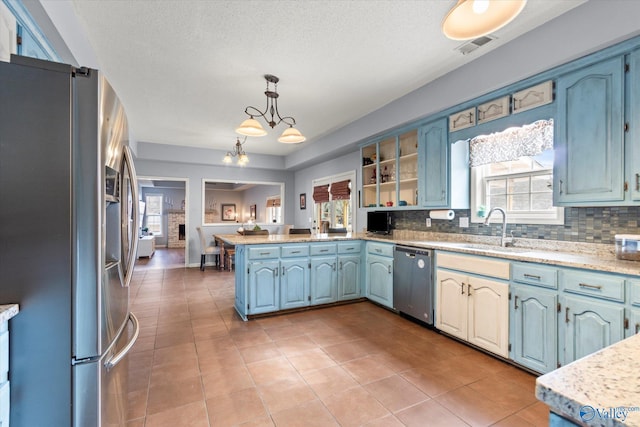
(264, 286)
(443, 168)
(324, 279)
(589, 136)
(533, 316)
(294, 283)
(592, 312)
(349, 270)
(379, 273)
(633, 119)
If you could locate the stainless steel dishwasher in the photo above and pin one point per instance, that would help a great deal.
(413, 282)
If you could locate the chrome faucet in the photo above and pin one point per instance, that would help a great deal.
(504, 240)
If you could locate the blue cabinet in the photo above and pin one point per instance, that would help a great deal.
(534, 327)
(633, 118)
(589, 136)
(294, 283)
(349, 267)
(438, 163)
(379, 278)
(590, 325)
(264, 286)
(324, 279)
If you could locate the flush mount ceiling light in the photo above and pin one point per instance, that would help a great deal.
(470, 19)
(238, 152)
(251, 127)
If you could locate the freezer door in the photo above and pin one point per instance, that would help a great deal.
(100, 387)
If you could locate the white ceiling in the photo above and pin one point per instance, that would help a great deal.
(186, 70)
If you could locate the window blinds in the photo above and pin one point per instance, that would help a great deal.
(321, 193)
(340, 190)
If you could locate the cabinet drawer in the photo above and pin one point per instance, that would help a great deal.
(349, 247)
(594, 284)
(264, 252)
(295, 251)
(383, 249)
(323, 249)
(535, 275)
(474, 264)
(634, 293)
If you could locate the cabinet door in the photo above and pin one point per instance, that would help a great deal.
(348, 277)
(534, 332)
(294, 283)
(589, 137)
(434, 165)
(633, 115)
(264, 286)
(489, 315)
(634, 322)
(241, 280)
(451, 303)
(590, 325)
(380, 280)
(323, 280)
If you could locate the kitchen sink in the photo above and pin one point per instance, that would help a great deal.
(491, 248)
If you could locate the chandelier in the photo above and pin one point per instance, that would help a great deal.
(251, 127)
(238, 152)
(470, 19)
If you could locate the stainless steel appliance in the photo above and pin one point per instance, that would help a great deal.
(68, 237)
(413, 282)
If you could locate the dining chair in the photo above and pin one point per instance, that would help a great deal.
(207, 250)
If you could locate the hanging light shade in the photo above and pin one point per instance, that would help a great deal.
(251, 127)
(238, 152)
(291, 135)
(470, 19)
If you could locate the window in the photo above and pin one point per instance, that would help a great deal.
(153, 216)
(520, 184)
(334, 200)
(274, 209)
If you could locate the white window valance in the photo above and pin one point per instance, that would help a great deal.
(512, 143)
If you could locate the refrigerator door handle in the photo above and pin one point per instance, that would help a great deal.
(133, 250)
(109, 364)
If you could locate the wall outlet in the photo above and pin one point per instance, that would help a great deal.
(464, 222)
(428, 222)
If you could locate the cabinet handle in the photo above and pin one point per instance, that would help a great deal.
(379, 250)
(566, 314)
(295, 252)
(334, 266)
(324, 250)
(264, 253)
(515, 305)
(588, 286)
(389, 269)
(275, 272)
(531, 276)
(637, 327)
(283, 270)
(560, 190)
(340, 265)
(469, 289)
(462, 288)
(638, 182)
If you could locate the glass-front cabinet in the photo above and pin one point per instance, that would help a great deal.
(390, 171)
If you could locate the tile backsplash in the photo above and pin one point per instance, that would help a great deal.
(587, 225)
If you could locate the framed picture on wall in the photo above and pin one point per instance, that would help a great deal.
(228, 212)
(303, 201)
(252, 212)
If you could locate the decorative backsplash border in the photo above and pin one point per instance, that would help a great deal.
(587, 225)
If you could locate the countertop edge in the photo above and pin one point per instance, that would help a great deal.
(8, 311)
(606, 263)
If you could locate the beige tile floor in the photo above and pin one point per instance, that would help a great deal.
(197, 364)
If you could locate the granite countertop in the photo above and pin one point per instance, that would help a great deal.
(7, 311)
(590, 256)
(601, 389)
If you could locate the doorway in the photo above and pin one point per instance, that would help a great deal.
(164, 215)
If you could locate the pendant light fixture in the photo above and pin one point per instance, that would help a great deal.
(238, 152)
(470, 19)
(252, 127)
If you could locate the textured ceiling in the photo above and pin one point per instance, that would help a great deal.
(186, 70)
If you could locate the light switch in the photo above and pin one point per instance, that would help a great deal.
(428, 222)
(464, 222)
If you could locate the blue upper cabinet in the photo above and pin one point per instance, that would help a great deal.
(633, 120)
(589, 136)
(443, 168)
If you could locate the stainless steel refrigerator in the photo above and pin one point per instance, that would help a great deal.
(68, 238)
